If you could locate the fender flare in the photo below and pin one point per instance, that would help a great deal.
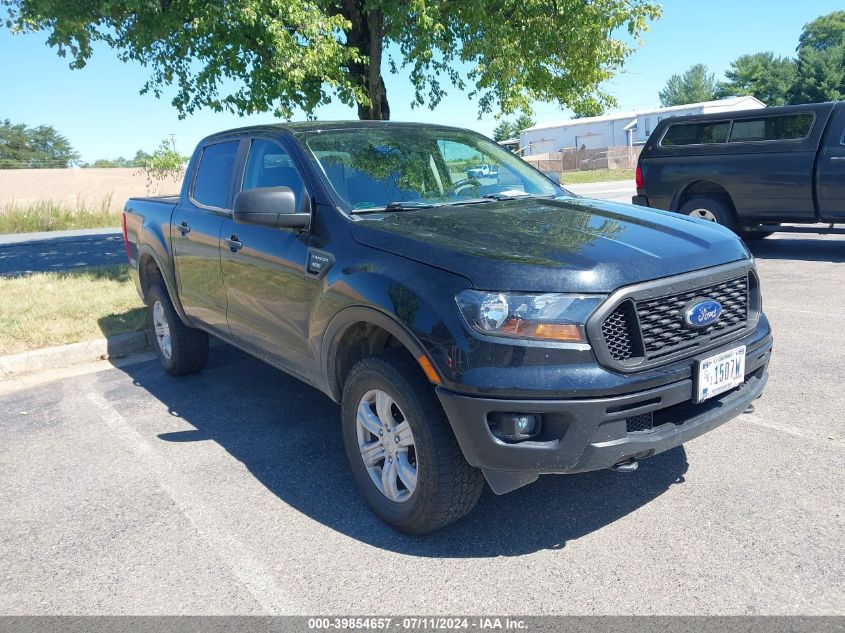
(170, 283)
(357, 314)
(675, 206)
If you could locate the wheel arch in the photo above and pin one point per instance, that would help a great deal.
(702, 188)
(150, 270)
(357, 332)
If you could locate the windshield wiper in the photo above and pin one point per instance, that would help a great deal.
(398, 205)
(510, 196)
(482, 200)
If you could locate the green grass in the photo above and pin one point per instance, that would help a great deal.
(598, 175)
(45, 309)
(47, 215)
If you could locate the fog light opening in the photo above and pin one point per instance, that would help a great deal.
(514, 427)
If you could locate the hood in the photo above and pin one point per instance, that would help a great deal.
(565, 245)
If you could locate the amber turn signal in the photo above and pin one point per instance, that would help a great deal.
(429, 370)
(569, 332)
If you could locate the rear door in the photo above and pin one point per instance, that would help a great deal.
(830, 170)
(264, 267)
(196, 234)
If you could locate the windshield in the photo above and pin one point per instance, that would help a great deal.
(416, 167)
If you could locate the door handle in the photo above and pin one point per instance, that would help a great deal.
(233, 243)
(184, 229)
(837, 158)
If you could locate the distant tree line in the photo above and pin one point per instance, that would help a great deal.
(42, 147)
(22, 146)
(814, 75)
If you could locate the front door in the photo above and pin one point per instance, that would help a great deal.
(196, 235)
(264, 268)
(830, 182)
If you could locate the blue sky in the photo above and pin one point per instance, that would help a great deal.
(100, 111)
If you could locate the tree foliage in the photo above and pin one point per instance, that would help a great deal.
(278, 55)
(694, 85)
(504, 131)
(33, 147)
(763, 75)
(163, 164)
(523, 122)
(820, 76)
(826, 31)
(587, 107)
(818, 73)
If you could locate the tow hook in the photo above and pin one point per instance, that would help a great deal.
(628, 466)
(750, 408)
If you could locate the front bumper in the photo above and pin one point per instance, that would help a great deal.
(580, 435)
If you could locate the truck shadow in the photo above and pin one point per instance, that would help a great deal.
(287, 435)
(809, 249)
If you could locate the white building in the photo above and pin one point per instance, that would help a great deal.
(617, 130)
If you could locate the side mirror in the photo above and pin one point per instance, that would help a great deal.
(270, 206)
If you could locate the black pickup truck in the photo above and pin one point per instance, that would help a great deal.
(473, 326)
(751, 171)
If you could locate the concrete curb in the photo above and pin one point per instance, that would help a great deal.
(74, 354)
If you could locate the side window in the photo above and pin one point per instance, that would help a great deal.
(268, 165)
(772, 128)
(703, 133)
(214, 174)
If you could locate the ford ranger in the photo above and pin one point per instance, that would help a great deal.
(472, 330)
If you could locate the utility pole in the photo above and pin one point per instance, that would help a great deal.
(173, 141)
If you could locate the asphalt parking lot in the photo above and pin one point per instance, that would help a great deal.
(124, 491)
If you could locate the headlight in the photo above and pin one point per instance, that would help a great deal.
(548, 317)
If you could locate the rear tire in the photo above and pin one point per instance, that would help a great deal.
(387, 399)
(180, 349)
(712, 210)
(751, 234)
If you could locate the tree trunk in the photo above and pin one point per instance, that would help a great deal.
(366, 33)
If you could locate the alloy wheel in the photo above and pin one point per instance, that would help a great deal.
(387, 445)
(162, 330)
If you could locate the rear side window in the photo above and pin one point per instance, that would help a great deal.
(214, 174)
(703, 133)
(772, 128)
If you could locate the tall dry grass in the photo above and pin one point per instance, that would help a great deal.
(47, 215)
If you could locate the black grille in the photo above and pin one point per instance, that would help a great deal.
(618, 331)
(653, 328)
(640, 423)
(662, 320)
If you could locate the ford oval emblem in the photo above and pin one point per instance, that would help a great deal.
(702, 312)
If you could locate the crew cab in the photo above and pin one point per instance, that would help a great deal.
(751, 171)
(472, 332)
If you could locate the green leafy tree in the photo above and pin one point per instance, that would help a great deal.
(504, 131)
(278, 55)
(826, 31)
(163, 164)
(34, 147)
(763, 75)
(696, 84)
(523, 122)
(821, 75)
(588, 107)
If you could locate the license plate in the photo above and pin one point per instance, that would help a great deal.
(720, 373)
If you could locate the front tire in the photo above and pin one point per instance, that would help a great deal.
(401, 449)
(180, 349)
(712, 210)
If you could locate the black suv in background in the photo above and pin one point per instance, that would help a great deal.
(750, 170)
(474, 324)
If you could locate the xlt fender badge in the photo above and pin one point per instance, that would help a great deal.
(319, 262)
